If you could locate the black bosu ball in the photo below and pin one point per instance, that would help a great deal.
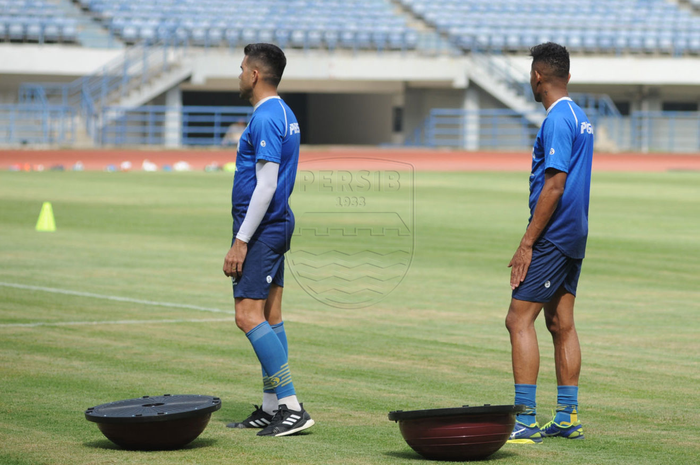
(154, 423)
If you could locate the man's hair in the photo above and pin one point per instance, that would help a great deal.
(553, 55)
(271, 60)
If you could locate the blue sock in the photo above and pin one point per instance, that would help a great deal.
(282, 336)
(567, 405)
(525, 394)
(273, 359)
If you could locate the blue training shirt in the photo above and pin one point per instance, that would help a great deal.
(565, 143)
(273, 135)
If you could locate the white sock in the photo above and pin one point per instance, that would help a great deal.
(269, 402)
(291, 402)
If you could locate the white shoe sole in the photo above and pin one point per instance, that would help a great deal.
(306, 425)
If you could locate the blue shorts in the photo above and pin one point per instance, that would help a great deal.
(261, 268)
(549, 270)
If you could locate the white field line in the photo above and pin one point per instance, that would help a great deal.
(117, 322)
(114, 298)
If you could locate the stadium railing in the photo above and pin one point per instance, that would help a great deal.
(22, 124)
(665, 131)
(505, 129)
(161, 125)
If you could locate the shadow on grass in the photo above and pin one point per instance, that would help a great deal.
(410, 455)
(109, 445)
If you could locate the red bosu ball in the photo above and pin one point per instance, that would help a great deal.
(457, 434)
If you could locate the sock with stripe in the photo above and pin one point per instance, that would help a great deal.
(525, 394)
(567, 405)
(269, 404)
(273, 359)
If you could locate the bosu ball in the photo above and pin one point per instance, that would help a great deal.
(154, 423)
(457, 434)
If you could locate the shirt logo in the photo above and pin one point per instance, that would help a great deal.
(263, 143)
(551, 152)
(294, 129)
(586, 127)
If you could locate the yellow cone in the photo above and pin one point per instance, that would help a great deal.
(46, 221)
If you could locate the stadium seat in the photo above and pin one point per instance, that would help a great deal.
(33, 30)
(232, 36)
(215, 36)
(314, 39)
(610, 26)
(16, 31)
(331, 38)
(322, 22)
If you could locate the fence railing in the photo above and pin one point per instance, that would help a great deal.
(665, 131)
(131, 70)
(486, 128)
(36, 124)
(171, 126)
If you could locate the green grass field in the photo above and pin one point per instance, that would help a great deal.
(438, 340)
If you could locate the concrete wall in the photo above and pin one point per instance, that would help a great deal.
(419, 102)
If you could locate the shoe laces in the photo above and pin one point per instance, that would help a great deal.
(551, 422)
(280, 413)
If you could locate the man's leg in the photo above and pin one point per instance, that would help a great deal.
(559, 315)
(290, 417)
(520, 322)
(250, 317)
(273, 315)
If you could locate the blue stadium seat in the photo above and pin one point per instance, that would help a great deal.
(232, 36)
(282, 37)
(33, 30)
(298, 38)
(16, 31)
(612, 25)
(314, 38)
(215, 36)
(331, 38)
(347, 39)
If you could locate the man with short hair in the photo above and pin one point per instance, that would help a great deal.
(263, 223)
(547, 264)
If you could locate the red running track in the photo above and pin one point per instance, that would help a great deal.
(346, 158)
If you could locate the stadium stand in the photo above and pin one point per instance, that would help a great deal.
(460, 78)
(612, 26)
(357, 24)
(35, 21)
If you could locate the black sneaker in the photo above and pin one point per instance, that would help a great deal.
(258, 419)
(286, 422)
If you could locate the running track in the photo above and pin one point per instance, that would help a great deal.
(347, 158)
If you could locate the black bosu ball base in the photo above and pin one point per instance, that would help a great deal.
(154, 423)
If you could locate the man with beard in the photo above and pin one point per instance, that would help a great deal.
(266, 164)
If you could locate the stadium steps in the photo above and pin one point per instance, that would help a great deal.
(497, 76)
(494, 74)
(90, 33)
(143, 87)
(430, 41)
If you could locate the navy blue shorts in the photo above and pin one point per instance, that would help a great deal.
(549, 270)
(262, 267)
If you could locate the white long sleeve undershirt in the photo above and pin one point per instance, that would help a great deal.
(266, 175)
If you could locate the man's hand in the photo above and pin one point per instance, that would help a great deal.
(520, 263)
(233, 263)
